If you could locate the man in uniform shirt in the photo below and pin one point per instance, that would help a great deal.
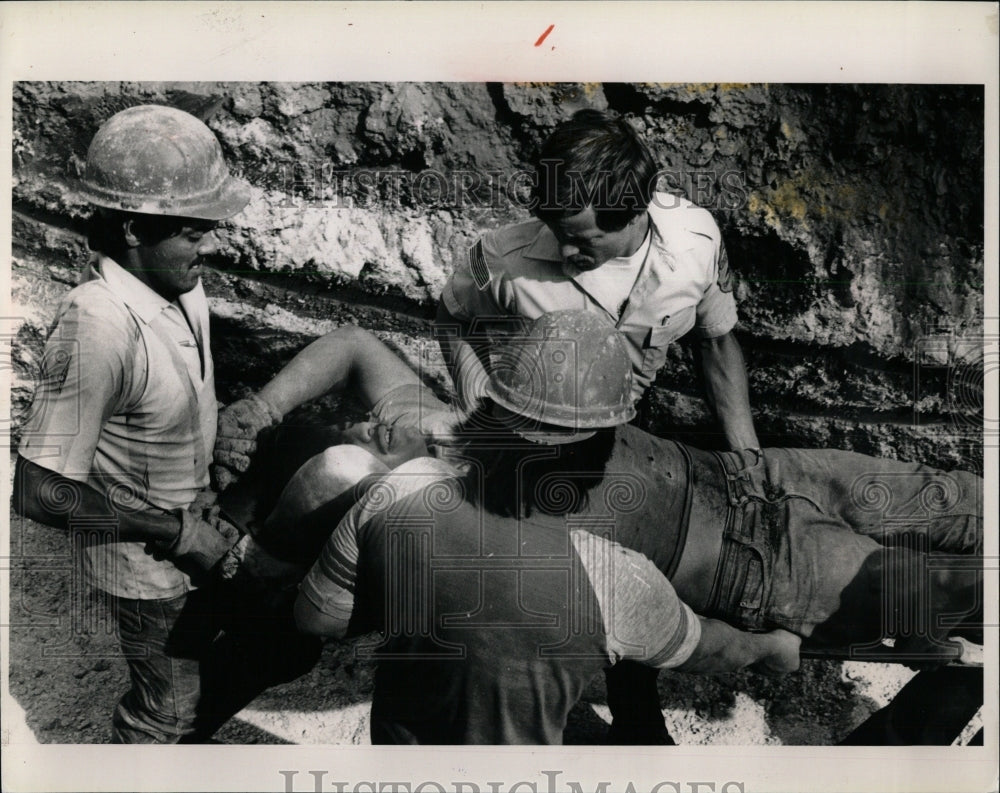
(124, 422)
(602, 240)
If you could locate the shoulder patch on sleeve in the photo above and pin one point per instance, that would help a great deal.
(478, 267)
(725, 275)
(54, 368)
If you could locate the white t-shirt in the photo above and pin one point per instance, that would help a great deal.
(612, 282)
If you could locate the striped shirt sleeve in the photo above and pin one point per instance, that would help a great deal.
(643, 618)
(330, 584)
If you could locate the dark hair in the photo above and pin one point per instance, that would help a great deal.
(512, 477)
(594, 159)
(105, 233)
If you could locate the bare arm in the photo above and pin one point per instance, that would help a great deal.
(347, 356)
(325, 602)
(57, 501)
(309, 619)
(724, 648)
(466, 360)
(54, 500)
(727, 391)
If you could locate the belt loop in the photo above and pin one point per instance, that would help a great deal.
(734, 476)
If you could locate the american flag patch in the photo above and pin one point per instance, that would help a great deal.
(477, 264)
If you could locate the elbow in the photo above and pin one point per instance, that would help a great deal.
(715, 345)
(311, 621)
(350, 335)
(24, 498)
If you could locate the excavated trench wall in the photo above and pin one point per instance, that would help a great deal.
(853, 216)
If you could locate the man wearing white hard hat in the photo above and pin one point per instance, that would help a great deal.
(118, 445)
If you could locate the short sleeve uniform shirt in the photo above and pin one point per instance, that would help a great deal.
(684, 284)
(127, 405)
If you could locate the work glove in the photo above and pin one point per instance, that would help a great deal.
(250, 564)
(206, 506)
(236, 440)
(199, 546)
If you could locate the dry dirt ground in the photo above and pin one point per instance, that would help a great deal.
(66, 672)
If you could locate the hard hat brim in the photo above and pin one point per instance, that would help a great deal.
(555, 438)
(575, 419)
(227, 200)
(537, 431)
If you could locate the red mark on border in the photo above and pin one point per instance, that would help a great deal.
(542, 37)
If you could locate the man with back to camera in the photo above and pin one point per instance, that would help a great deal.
(117, 449)
(604, 240)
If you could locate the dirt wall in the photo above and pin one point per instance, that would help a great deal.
(853, 216)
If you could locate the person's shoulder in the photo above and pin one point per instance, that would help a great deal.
(93, 300)
(402, 482)
(673, 214)
(508, 241)
(429, 466)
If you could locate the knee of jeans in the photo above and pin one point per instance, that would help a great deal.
(962, 534)
(141, 721)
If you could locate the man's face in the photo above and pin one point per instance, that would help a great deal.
(586, 247)
(173, 265)
(391, 445)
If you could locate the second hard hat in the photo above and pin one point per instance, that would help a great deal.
(571, 370)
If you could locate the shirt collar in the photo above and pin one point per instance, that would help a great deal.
(659, 246)
(545, 246)
(143, 300)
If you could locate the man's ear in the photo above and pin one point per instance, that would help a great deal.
(128, 234)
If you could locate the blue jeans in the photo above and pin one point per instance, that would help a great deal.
(846, 549)
(164, 642)
(198, 659)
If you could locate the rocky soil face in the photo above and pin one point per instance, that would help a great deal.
(853, 217)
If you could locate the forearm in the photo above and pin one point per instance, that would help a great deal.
(323, 366)
(724, 649)
(55, 500)
(466, 361)
(348, 357)
(727, 390)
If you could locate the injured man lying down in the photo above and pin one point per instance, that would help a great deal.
(505, 557)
